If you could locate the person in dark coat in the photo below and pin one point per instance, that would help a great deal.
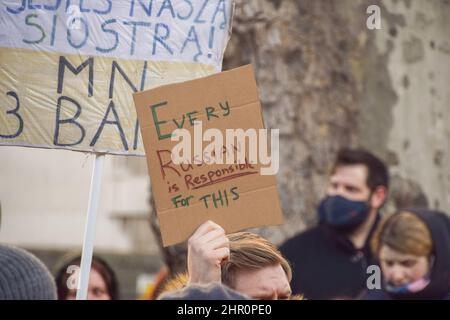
(330, 260)
(413, 248)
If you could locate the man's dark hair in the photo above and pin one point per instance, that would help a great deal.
(377, 171)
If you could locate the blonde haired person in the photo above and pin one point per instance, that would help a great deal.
(243, 261)
(413, 249)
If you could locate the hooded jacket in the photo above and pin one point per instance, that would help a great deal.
(439, 287)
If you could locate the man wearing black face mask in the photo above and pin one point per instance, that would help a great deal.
(330, 261)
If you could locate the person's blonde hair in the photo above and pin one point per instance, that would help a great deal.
(404, 232)
(249, 251)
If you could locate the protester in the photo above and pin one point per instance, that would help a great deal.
(330, 260)
(413, 247)
(23, 276)
(256, 268)
(102, 280)
(245, 262)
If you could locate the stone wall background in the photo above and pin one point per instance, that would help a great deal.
(327, 81)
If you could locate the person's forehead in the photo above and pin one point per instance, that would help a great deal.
(264, 278)
(96, 277)
(274, 273)
(387, 253)
(350, 173)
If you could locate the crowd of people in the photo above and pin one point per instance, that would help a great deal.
(409, 247)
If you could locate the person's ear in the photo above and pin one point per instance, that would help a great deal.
(378, 197)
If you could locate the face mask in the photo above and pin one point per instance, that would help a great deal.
(412, 287)
(342, 213)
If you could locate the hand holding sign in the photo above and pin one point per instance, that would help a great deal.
(208, 247)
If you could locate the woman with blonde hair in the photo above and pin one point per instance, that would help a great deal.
(413, 249)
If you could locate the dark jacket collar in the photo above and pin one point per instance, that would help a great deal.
(342, 242)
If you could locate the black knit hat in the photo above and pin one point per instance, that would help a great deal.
(23, 276)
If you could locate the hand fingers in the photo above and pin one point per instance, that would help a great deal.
(221, 254)
(211, 235)
(205, 228)
(220, 242)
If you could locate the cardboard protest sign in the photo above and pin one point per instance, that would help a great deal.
(236, 195)
(68, 69)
